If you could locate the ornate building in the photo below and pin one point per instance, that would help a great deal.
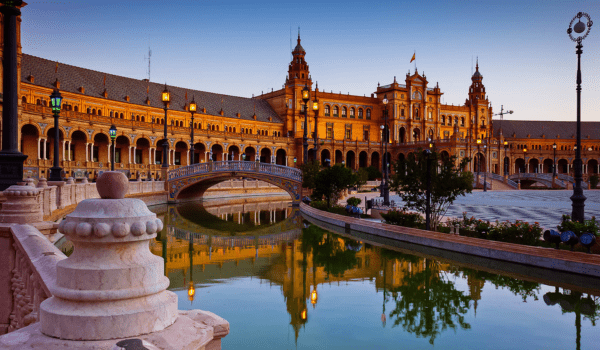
(269, 127)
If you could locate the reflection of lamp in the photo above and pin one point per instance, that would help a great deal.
(191, 291)
(303, 315)
(314, 296)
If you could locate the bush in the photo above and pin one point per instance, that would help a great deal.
(519, 232)
(374, 173)
(354, 201)
(403, 218)
(594, 181)
(578, 228)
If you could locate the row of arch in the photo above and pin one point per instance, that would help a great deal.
(336, 112)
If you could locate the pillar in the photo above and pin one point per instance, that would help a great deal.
(150, 155)
(69, 151)
(134, 148)
(87, 146)
(108, 158)
(45, 145)
(39, 148)
(64, 143)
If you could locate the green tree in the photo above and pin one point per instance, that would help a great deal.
(309, 172)
(331, 181)
(448, 181)
(373, 172)
(363, 177)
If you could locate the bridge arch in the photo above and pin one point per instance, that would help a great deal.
(193, 180)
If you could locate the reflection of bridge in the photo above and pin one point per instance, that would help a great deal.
(194, 180)
(243, 241)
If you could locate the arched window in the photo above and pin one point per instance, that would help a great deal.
(336, 111)
(99, 112)
(455, 120)
(352, 111)
(242, 130)
(89, 110)
(344, 110)
(76, 108)
(217, 128)
(24, 99)
(327, 110)
(443, 120)
(449, 121)
(368, 113)
(234, 129)
(121, 116)
(45, 103)
(111, 114)
(143, 119)
(462, 121)
(94, 111)
(38, 102)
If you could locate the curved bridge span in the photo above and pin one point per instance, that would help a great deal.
(193, 180)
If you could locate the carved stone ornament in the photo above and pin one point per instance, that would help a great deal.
(112, 286)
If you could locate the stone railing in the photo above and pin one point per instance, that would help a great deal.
(59, 195)
(271, 169)
(33, 274)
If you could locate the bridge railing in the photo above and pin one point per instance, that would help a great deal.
(266, 168)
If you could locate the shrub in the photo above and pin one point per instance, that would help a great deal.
(403, 218)
(354, 201)
(594, 181)
(578, 228)
(374, 173)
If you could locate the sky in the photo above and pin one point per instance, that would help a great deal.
(242, 48)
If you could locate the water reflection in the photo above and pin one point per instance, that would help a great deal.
(422, 296)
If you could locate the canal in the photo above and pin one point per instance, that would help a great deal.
(285, 283)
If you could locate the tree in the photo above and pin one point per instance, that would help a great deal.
(309, 171)
(374, 173)
(363, 177)
(447, 182)
(331, 181)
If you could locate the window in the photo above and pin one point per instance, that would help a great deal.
(443, 120)
(111, 114)
(417, 114)
(462, 121)
(99, 112)
(365, 135)
(449, 121)
(352, 112)
(158, 157)
(330, 131)
(348, 133)
(402, 112)
(360, 113)
(95, 154)
(138, 156)
(327, 114)
(344, 110)
(430, 117)
(368, 113)
(89, 110)
(336, 111)
(76, 108)
(455, 120)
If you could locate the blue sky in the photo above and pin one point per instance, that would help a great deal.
(243, 47)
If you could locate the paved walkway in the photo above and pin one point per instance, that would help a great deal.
(543, 206)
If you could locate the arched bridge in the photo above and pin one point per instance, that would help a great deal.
(543, 178)
(193, 180)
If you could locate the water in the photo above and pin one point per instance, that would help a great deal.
(286, 283)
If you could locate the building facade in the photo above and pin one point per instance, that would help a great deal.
(270, 127)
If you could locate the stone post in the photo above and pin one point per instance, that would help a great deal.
(112, 286)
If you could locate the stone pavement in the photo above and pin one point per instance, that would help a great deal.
(543, 206)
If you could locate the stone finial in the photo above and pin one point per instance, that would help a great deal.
(112, 286)
(29, 182)
(70, 180)
(22, 205)
(42, 182)
(112, 185)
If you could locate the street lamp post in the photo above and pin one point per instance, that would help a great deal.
(554, 163)
(578, 198)
(485, 166)
(56, 101)
(305, 98)
(113, 135)
(478, 160)
(192, 110)
(427, 154)
(315, 107)
(166, 99)
(11, 159)
(384, 139)
(525, 159)
(505, 158)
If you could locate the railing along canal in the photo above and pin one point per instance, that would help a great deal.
(225, 166)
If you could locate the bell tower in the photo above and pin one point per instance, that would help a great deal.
(479, 103)
(298, 72)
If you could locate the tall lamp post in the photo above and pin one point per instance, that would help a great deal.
(113, 135)
(485, 165)
(192, 110)
(478, 159)
(427, 154)
(554, 163)
(384, 138)
(166, 99)
(11, 159)
(525, 160)
(505, 158)
(305, 98)
(578, 198)
(56, 101)
(315, 107)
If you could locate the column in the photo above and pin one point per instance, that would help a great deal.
(64, 143)
(527, 166)
(205, 157)
(134, 148)
(45, 145)
(568, 168)
(38, 147)
(150, 155)
(239, 218)
(286, 158)
(69, 151)
(173, 157)
(109, 154)
(225, 156)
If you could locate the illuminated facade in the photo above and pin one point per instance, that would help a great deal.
(269, 127)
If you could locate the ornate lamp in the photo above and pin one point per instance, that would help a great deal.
(56, 102)
(113, 135)
(305, 98)
(193, 107)
(166, 99)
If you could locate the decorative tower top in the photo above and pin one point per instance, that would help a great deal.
(477, 90)
(298, 72)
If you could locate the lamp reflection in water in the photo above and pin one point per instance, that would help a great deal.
(191, 287)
